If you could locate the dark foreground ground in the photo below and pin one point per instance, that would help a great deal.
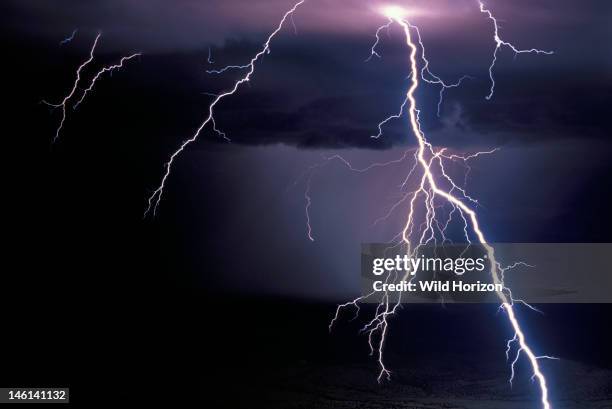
(251, 353)
(309, 386)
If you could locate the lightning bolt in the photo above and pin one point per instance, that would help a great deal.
(432, 194)
(154, 199)
(499, 43)
(108, 68)
(75, 86)
(62, 104)
(69, 38)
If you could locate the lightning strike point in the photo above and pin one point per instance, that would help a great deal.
(394, 12)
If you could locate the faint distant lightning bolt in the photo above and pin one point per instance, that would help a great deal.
(430, 161)
(154, 199)
(86, 91)
(307, 209)
(295, 30)
(209, 59)
(228, 68)
(499, 43)
(108, 68)
(69, 38)
(310, 172)
(74, 88)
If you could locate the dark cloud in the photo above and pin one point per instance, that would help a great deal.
(315, 90)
